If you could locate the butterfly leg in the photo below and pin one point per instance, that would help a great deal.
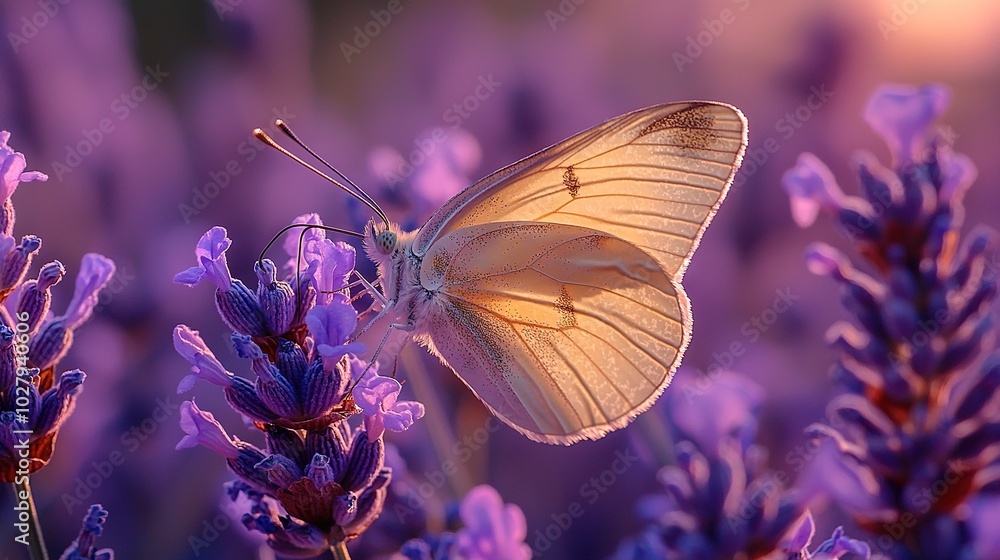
(370, 289)
(403, 327)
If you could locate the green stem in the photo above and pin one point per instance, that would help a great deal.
(339, 551)
(442, 437)
(36, 543)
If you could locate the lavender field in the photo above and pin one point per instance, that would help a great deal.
(177, 389)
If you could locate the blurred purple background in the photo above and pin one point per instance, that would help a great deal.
(179, 86)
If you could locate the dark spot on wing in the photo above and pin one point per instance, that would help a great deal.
(571, 181)
(691, 128)
(440, 262)
(567, 313)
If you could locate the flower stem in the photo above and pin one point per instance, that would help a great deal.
(442, 437)
(339, 551)
(36, 543)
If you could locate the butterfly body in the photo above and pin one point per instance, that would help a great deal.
(552, 288)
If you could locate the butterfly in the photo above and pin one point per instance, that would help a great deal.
(552, 287)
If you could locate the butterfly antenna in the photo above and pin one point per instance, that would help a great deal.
(306, 227)
(358, 191)
(263, 137)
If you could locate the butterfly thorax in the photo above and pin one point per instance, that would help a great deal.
(399, 271)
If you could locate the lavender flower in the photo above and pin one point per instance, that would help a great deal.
(34, 401)
(836, 547)
(83, 546)
(317, 482)
(491, 530)
(718, 500)
(913, 438)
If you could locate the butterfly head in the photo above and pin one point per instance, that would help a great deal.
(381, 242)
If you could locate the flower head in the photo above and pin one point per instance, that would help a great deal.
(317, 481)
(35, 401)
(912, 438)
(83, 546)
(491, 530)
(718, 501)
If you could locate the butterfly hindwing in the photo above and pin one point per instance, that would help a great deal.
(565, 332)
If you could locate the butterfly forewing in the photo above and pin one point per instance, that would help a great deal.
(564, 332)
(654, 178)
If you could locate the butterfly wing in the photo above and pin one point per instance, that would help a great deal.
(565, 332)
(653, 177)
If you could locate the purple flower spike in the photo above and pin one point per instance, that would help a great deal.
(810, 186)
(493, 530)
(12, 167)
(204, 364)
(95, 271)
(203, 429)
(211, 256)
(291, 243)
(902, 115)
(330, 326)
(377, 396)
(83, 546)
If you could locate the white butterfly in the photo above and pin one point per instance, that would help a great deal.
(552, 287)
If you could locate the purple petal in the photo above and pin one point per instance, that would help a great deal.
(330, 326)
(402, 415)
(291, 243)
(95, 271)
(800, 536)
(811, 186)
(839, 545)
(211, 256)
(203, 429)
(12, 165)
(958, 172)
(711, 410)
(190, 345)
(330, 264)
(377, 394)
(493, 530)
(902, 115)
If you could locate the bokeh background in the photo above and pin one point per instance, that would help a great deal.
(183, 83)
